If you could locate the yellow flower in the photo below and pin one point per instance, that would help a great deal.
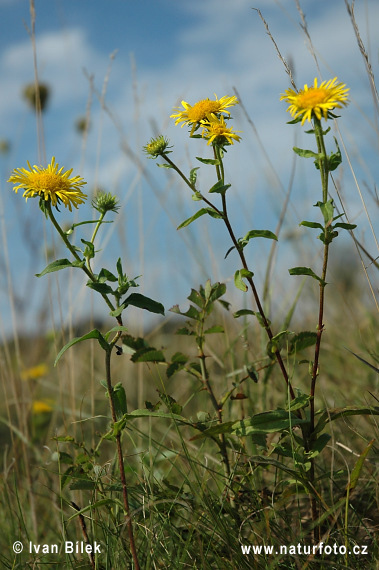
(51, 184)
(198, 113)
(41, 407)
(35, 372)
(316, 100)
(217, 131)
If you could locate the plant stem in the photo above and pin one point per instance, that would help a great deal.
(224, 215)
(108, 353)
(129, 524)
(324, 174)
(87, 270)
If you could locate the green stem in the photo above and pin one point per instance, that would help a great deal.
(87, 270)
(98, 224)
(250, 279)
(129, 524)
(324, 174)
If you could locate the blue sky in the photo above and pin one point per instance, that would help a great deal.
(146, 57)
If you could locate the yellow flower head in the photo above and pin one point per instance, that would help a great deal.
(50, 184)
(35, 372)
(217, 131)
(41, 407)
(198, 114)
(316, 100)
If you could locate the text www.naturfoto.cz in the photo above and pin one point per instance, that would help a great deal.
(306, 549)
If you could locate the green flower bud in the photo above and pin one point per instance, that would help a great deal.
(105, 202)
(157, 147)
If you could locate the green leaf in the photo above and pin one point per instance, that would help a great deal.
(305, 271)
(314, 225)
(216, 291)
(267, 422)
(165, 165)
(277, 342)
(335, 158)
(148, 354)
(142, 302)
(213, 161)
(196, 298)
(198, 214)
(225, 427)
(238, 278)
(260, 233)
(114, 330)
(192, 313)
(345, 226)
(219, 188)
(83, 485)
(302, 340)
(96, 334)
(193, 175)
(89, 251)
(243, 312)
(229, 251)
(215, 329)
(156, 414)
(358, 466)
(106, 275)
(299, 403)
(319, 444)
(178, 361)
(119, 399)
(327, 209)
(102, 288)
(306, 153)
(58, 265)
(333, 414)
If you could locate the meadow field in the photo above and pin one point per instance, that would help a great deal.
(237, 425)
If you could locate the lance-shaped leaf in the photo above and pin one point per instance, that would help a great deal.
(335, 413)
(315, 225)
(260, 233)
(306, 153)
(267, 422)
(358, 467)
(345, 226)
(213, 161)
(219, 188)
(142, 302)
(198, 214)
(96, 334)
(306, 271)
(60, 264)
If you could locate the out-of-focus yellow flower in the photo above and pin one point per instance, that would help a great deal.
(34, 372)
(41, 407)
(316, 101)
(51, 184)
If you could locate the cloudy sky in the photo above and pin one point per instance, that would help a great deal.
(126, 65)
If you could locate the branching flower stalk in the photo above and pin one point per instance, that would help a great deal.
(54, 187)
(223, 213)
